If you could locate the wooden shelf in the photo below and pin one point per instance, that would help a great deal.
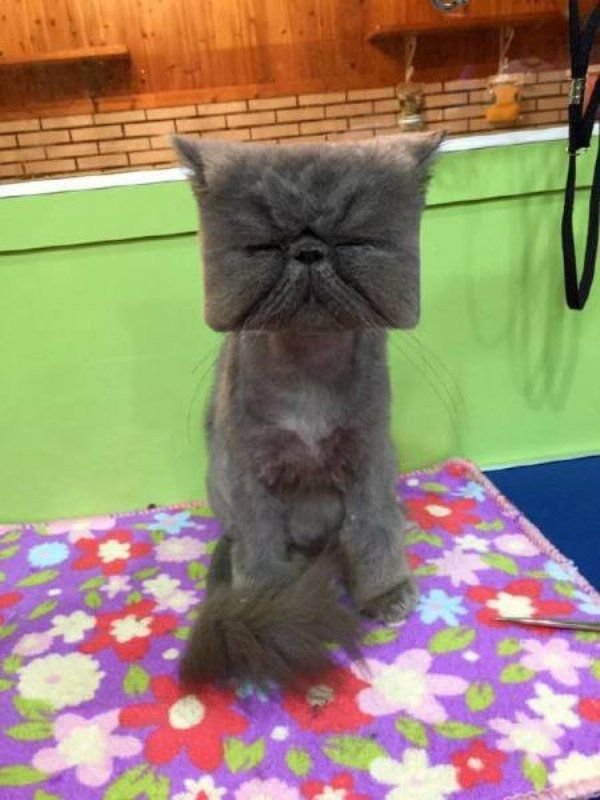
(466, 22)
(112, 52)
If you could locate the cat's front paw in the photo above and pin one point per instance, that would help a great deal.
(395, 605)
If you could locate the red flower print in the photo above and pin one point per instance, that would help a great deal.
(457, 470)
(129, 631)
(520, 598)
(109, 553)
(414, 560)
(328, 705)
(195, 723)
(341, 787)
(589, 708)
(7, 600)
(478, 764)
(434, 511)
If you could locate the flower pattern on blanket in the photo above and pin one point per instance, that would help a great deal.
(450, 705)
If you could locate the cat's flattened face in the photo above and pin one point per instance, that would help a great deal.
(310, 237)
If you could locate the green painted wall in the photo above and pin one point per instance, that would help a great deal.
(106, 362)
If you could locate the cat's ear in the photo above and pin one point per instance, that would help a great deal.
(415, 149)
(202, 158)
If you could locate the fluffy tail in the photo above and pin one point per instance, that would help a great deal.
(263, 634)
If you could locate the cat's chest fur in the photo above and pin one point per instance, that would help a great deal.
(305, 440)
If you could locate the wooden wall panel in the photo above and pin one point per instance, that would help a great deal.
(178, 46)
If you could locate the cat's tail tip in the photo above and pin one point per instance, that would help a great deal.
(263, 635)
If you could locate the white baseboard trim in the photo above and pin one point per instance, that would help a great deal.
(80, 183)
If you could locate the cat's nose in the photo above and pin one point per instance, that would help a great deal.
(310, 256)
(308, 251)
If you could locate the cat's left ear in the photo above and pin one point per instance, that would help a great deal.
(202, 158)
(416, 149)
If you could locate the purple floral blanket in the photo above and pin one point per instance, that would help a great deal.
(451, 705)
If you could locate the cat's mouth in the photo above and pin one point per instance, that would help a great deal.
(312, 298)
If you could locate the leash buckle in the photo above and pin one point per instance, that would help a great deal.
(576, 91)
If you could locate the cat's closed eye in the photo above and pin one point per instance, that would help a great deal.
(359, 243)
(266, 247)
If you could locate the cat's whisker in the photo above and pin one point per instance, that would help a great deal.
(444, 398)
(213, 355)
(435, 363)
(440, 373)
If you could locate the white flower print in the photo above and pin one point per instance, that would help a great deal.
(557, 709)
(574, 768)
(414, 778)
(59, 680)
(72, 627)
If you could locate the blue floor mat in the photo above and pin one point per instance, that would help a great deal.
(563, 500)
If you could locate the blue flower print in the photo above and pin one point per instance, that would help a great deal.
(171, 524)
(586, 603)
(48, 554)
(437, 604)
(472, 491)
(249, 690)
(559, 572)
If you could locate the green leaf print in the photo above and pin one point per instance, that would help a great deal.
(414, 537)
(42, 795)
(44, 608)
(30, 731)
(21, 775)
(196, 570)
(132, 598)
(564, 588)
(595, 668)
(9, 552)
(157, 536)
(38, 578)
(11, 664)
(32, 709)
(496, 525)
(2, 577)
(131, 785)
(353, 751)
(426, 569)
(480, 696)
(11, 536)
(458, 730)
(298, 761)
(433, 486)
(516, 673)
(157, 787)
(508, 647)
(240, 757)
(209, 547)
(451, 639)
(143, 574)
(587, 636)
(5, 685)
(380, 636)
(92, 583)
(535, 772)
(136, 681)
(7, 631)
(503, 563)
(93, 599)
(412, 730)
(182, 633)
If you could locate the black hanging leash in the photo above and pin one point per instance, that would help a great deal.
(581, 126)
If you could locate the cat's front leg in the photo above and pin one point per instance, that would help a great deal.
(258, 548)
(372, 538)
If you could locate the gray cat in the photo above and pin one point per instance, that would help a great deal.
(310, 253)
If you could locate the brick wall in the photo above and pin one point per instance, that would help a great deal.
(137, 139)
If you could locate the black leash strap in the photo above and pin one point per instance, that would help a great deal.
(581, 127)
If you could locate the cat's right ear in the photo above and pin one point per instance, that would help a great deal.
(201, 159)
